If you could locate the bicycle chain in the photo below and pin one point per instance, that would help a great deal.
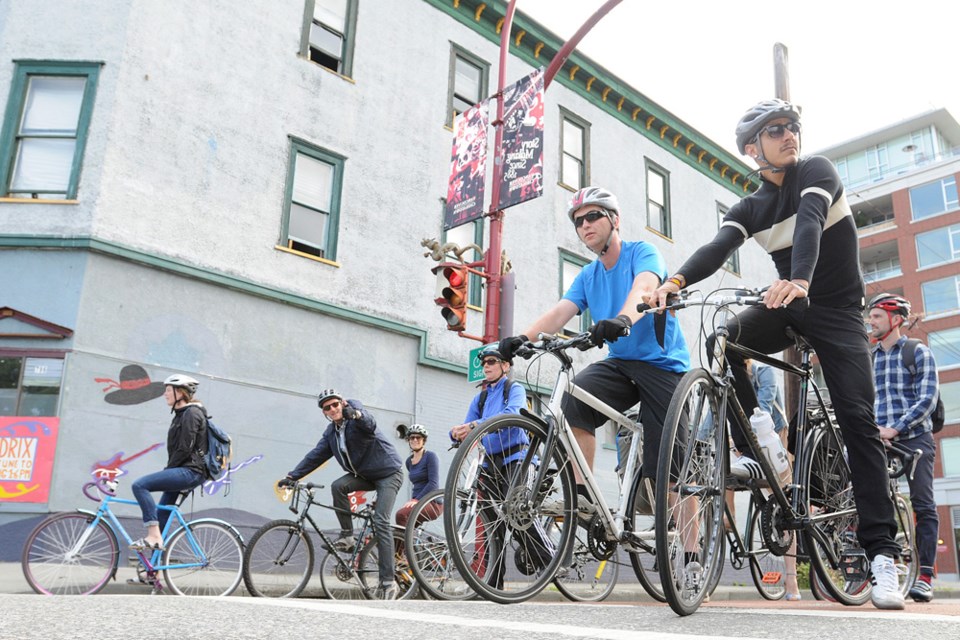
(775, 538)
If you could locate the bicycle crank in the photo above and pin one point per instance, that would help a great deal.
(775, 538)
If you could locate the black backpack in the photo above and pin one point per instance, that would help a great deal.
(483, 396)
(909, 357)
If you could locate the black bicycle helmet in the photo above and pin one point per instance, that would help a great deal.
(182, 382)
(417, 430)
(492, 349)
(326, 394)
(757, 117)
(890, 303)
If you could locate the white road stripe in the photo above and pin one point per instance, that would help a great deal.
(875, 614)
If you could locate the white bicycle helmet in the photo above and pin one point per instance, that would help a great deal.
(326, 394)
(593, 195)
(182, 382)
(417, 430)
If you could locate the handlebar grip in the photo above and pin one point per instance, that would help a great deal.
(643, 307)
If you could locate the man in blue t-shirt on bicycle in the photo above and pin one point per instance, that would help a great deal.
(648, 355)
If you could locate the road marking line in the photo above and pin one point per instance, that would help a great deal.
(846, 613)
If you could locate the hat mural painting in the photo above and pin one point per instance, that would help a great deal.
(134, 386)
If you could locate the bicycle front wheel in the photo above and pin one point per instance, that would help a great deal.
(768, 570)
(205, 558)
(689, 492)
(907, 539)
(55, 563)
(278, 561)
(369, 570)
(428, 553)
(494, 515)
(831, 540)
(641, 522)
(588, 578)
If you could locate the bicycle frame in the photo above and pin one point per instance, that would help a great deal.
(303, 514)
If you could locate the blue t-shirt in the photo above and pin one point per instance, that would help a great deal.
(604, 291)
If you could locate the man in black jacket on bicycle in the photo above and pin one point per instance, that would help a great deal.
(371, 462)
(801, 217)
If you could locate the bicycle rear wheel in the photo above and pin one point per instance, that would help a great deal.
(429, 555)
(641, 522)
(369, 569)
(340, 579)
(907, 539)
(769, 571)
(52, 566)
(207, 563)
(494, 516)
(689, 493)
(278, 561)
(835, 552)
(588, 578)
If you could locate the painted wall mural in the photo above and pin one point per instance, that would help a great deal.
(27, 448)
(134, 386)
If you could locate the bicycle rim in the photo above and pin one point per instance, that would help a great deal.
(769, 571)
(215, 562)
(51, 569)
(689, 493)
(369, 570)
(587, 579)
(829, 491)
(641, 522)
(907, 539)
(493, 519)
(429, 555)
(278, 561)
(340, 579)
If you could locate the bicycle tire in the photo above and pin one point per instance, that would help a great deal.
(425, 542)
(768, 570)
(644, 525)
(689, 492)
(588, 579)
(220, 567)
(339, 578)
(49, 569)
(907, 538)
(278, 561)
(369, 570)
(828, 488)
(509, 557)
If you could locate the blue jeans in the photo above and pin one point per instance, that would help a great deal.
(387, 489)
(924, 506)
(171, 482)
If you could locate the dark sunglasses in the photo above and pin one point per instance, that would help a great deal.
(593, 216)
(415, 438)
(490, 361)
(331, 406)
(775, 131)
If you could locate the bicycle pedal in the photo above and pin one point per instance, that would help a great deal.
(854, 565)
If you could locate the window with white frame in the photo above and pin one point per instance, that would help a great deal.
(658, 199)
(950, 394)
(465, 235)
(938, 246)
(45, 129)
(312, 207)
(950, 454)
(881, 269)
(570, 267)
(945, 346)
(467, 83)
(941, 296)
(733, 262)
(29, 386)
(933, 198)
(328, 34)
(877, 163)
(574, 150)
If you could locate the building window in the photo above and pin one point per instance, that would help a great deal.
(941, 296)
(934, 198)
(570, 267)
(938, 246)
(45, 129)
(312, 204)
(463, 235)
(945, 346)
(658, 199)
(328, 34)
(950, 394)
(29, 386)
(467, 82)
(841, 165)
(574, 151)
(882, 269)
(733, 262)
(877, 163)
(950, 454)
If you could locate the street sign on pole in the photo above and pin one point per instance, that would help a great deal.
(474, 368)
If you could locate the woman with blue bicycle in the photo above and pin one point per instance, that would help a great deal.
(186, 442)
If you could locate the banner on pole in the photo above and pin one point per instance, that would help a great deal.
(521, 154)
(468, 168)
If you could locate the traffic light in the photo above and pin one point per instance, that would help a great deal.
(451, 295)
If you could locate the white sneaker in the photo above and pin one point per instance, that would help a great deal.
(692, 578)
(746, 467)
(552, 507)
(886, 586)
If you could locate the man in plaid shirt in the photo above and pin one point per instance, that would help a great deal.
(904, 404)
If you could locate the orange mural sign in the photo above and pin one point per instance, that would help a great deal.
(27, 448)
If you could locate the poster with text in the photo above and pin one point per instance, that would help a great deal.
(521, 154)
(468, 168)
(27, 448)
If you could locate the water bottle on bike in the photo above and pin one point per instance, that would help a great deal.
(762, 424)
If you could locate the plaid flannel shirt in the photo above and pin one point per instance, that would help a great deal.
(905, 402)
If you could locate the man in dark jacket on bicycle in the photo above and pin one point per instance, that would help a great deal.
(801, 217)
(371, 462)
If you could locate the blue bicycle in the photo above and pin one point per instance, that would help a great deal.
(78, 553)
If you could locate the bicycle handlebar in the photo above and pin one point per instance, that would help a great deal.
(909, 458)
(550, 343)
(743, 297)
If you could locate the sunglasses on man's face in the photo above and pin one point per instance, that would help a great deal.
(330, 407)
(593, 216)
(775, 131)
